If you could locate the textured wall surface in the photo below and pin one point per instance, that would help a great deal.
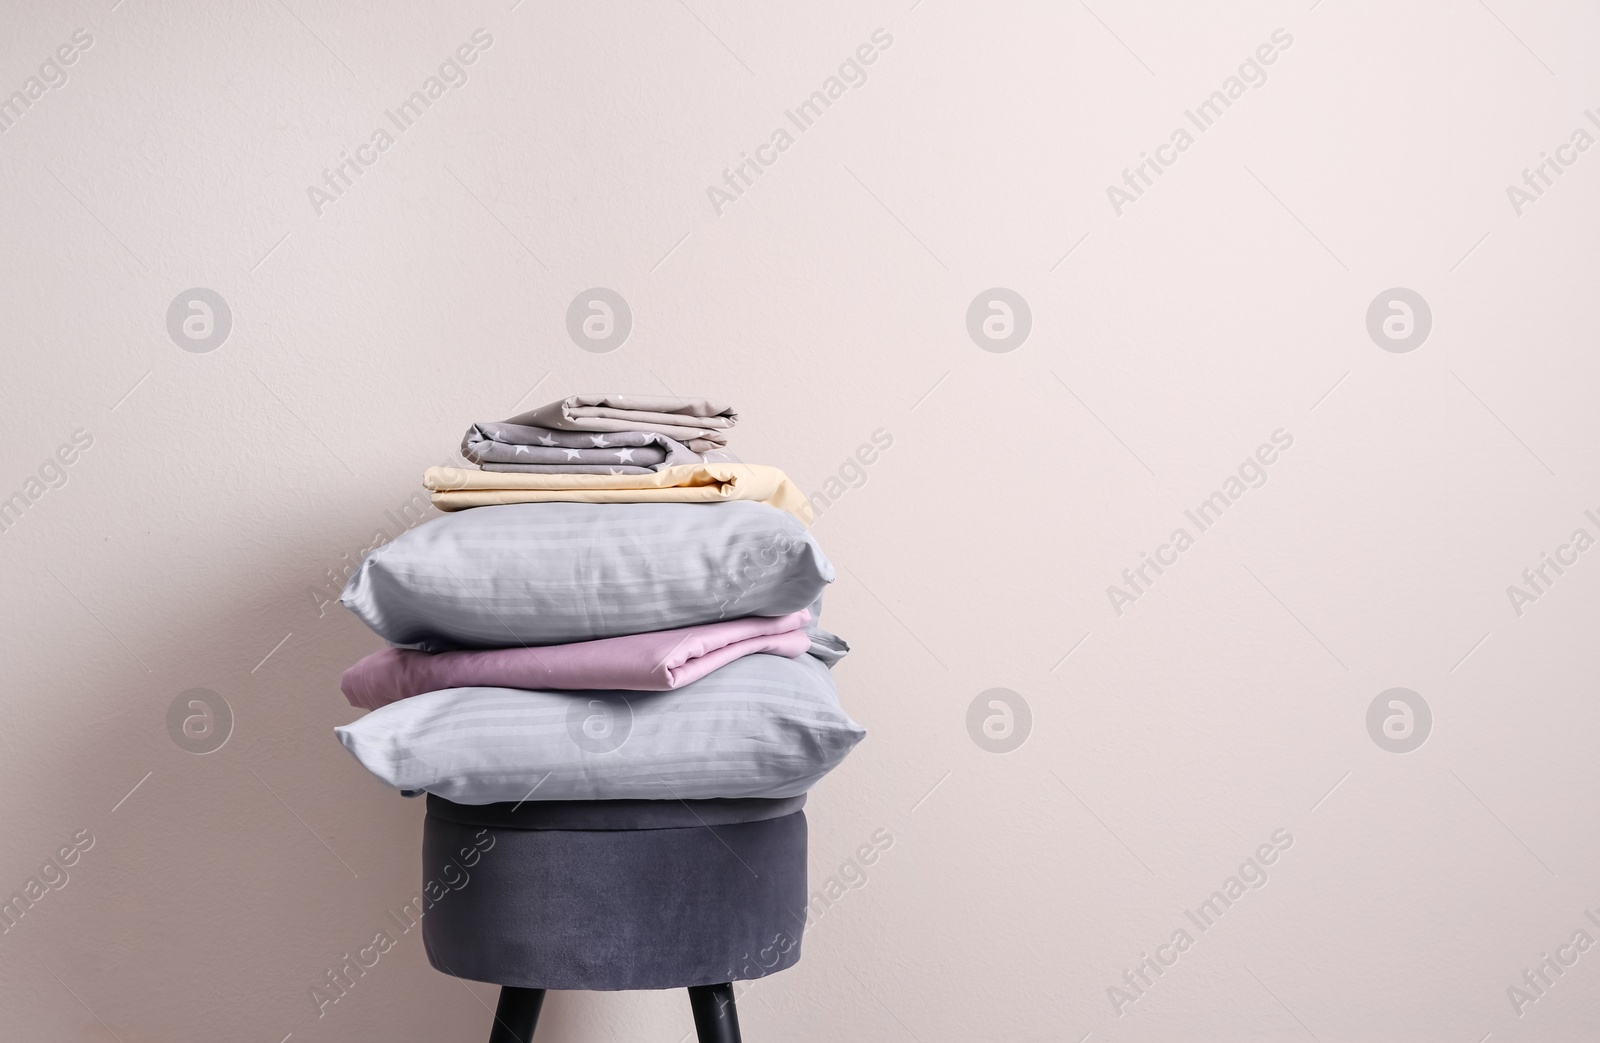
(1224, 606)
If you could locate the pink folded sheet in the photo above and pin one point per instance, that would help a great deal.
(653, 662)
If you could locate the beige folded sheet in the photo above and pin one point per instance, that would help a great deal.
(457, 488)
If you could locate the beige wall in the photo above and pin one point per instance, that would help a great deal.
(1172, 334)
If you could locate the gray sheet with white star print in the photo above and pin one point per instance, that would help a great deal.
(496, 446)
(568, 468)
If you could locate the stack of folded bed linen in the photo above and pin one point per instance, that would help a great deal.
(610, 609)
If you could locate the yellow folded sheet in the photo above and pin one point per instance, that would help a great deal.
(457, 488)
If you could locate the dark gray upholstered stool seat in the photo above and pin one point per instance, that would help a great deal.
(607, 895)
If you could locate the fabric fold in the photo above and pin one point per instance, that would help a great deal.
(498, 446)
(700, 424)
(652, 662)
(457, 488)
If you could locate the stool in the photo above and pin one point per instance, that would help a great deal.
(611, 895)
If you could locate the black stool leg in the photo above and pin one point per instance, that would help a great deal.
(517, 1015)
(715, 1018)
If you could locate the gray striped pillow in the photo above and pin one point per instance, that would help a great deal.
(547, 573)
(762, 726)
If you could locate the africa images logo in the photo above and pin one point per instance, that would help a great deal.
(1252, 473)
(852, 74)
(452, 75)
(1251, 75)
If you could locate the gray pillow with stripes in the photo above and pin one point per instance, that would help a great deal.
(761, 726)
(548, 573)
